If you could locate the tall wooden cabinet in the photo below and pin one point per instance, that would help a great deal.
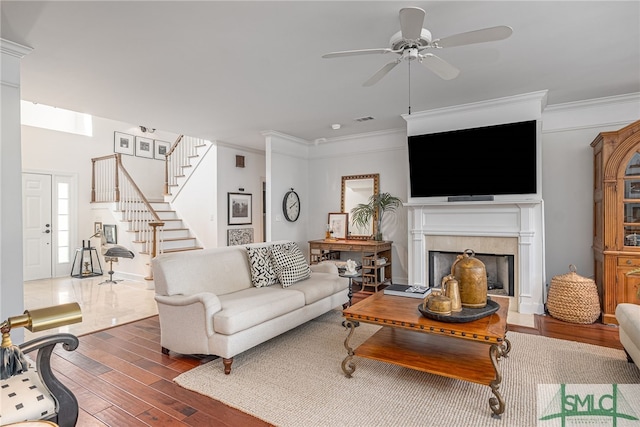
(616, 213)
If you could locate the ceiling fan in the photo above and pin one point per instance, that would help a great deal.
(412, 41)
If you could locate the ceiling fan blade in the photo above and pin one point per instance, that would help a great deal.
(478, 36)
(381, 73)
(439, 66)
(357, 52)
(411, 20)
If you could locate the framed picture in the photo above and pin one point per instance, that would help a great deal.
(239, 205)
(339, 225)
(110, 234)
(160, 149)
(122, 143)
(144, 147)
(239, 236)
(97, 229)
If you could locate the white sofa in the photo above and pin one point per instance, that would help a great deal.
(628, 317)
(211, 301)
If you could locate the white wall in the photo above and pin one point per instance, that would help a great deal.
(567, 174)
(232, 179)
(288, 167)
(384, 153)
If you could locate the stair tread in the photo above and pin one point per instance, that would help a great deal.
(175, 239)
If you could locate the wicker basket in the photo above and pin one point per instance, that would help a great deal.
(573, 298)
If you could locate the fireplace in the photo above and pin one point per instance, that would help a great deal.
(499, 268)
(498, 227)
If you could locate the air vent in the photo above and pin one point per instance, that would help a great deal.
(363, 119)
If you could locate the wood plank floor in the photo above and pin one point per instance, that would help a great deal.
(121, 378)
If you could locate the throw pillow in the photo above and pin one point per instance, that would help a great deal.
(262, 273)
(290, 265)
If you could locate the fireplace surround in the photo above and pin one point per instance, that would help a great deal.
(499, 227)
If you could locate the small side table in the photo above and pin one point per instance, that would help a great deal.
(350, 277)
(350, 294)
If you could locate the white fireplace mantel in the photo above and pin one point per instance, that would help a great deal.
(520, 220)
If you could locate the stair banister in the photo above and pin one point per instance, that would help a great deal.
(167, 160)
(133, 216)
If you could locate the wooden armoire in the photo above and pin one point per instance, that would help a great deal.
(616, 214)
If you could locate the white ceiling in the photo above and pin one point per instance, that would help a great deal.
(229, 70)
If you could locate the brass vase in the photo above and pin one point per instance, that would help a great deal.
(472, 278)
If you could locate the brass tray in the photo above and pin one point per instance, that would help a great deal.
(466, 315)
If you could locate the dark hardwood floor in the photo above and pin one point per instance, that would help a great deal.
(121, 378)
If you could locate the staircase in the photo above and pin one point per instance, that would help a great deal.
(182, 160)
(153, 227)
(174, 236)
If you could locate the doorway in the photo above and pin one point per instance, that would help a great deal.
(48, 211)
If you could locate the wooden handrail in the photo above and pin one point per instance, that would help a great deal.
(174, 146)
(137, 189)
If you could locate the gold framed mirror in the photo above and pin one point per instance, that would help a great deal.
(358, 189)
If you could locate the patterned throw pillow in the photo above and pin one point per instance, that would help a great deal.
(290, 265)
(262, 273)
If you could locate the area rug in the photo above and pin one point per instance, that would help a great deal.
(296, 380)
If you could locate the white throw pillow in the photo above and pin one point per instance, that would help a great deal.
(290, 265)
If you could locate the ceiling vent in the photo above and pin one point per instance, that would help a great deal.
(363, 119)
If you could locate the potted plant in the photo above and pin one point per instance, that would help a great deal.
(378, 204)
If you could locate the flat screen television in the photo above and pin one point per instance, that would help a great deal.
(485, 161)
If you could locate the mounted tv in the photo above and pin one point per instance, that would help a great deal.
(474, 164)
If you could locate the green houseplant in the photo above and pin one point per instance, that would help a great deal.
(378, 204)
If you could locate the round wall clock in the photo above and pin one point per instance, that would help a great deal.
(291, 206)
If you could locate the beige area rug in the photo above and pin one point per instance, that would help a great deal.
(296, 380)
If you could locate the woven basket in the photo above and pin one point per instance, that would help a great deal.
(573, 298)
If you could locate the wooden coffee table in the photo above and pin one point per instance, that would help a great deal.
(465, 351)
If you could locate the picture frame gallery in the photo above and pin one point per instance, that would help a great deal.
(139, 146)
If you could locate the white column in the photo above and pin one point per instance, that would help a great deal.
(11, 285)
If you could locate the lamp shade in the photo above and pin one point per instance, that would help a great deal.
(119, 252)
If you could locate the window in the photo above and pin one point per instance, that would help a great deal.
(47, 117)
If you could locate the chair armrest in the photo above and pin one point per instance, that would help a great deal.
(67, 404)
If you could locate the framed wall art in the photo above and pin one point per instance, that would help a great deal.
(339, 225)
(161, 148)
(144, 147)
(239, 206)
(110, 233)
(239, 236)
(123, 143)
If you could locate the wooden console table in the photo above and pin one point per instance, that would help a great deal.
(374, 272)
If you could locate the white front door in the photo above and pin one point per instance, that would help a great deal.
(37, 226)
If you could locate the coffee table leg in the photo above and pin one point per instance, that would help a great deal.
(497, 403)
(348, 367)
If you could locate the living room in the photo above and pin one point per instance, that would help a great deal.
(314, 166)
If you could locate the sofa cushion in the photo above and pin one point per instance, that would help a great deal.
(320, 285)
(247, 308)
(289, 264)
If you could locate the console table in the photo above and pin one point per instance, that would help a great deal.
(375, 270)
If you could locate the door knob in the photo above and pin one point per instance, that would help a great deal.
(47, 231)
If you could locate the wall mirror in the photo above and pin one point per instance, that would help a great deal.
(358, 189)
